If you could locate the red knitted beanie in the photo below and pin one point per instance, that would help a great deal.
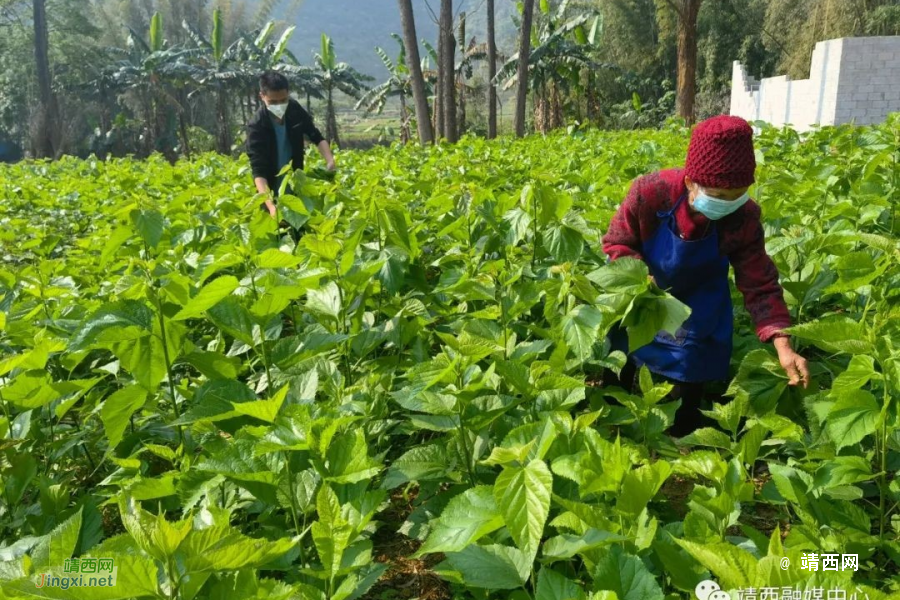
(720, 154)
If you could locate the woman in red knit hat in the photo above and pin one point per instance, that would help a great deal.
(689, 225)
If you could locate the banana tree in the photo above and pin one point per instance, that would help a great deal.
(560, 51)
(398, 85)
(148, 71)
(337, 76)
(219, 71)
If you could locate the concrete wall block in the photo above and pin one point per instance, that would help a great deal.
(861, 84)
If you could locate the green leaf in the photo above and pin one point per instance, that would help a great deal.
(327, 249)
(491, 567)
(639, 486)
(791, 483)
(625, 275)
(854, 270)
(264, 410)
(117, 409)
(214, 365)
(859, 372)
(422, 463)
(349, 461)
(331, 533)
(523, 495)
(136, 577)
(580, 328)
(467, 518)
(211, 294)
(326, 301)
(392, 274)
(555, 586)
(835, 334)
(626, 576)
(109, 322)
(732, 567)
(145, 357)
(841, 471)
(58, 545)
(564, 243)
(233, 318)
(518, 222)
(855, 415)
(568, 545)
(276, 259)
(20, 474)
(149, 224)
(213, 401)
(237, 551)
(760, 380)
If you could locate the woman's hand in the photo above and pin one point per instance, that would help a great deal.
(793, 364)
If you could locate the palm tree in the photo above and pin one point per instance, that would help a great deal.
(398, 85)
(336, 76)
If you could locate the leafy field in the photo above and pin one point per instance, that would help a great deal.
(406, 403)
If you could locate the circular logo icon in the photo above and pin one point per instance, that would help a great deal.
(719, 595)
(706, 589)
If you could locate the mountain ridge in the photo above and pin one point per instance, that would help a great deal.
(358, 26)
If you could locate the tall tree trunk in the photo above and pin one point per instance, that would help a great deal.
(688, 10)
(440, 120)
(331, 121)
(522, 73)
(461, 122)
(308, 102)
(556, 106)
(182, 126)
(448, 76)
(438, 124)
(404, 119)
(223, 142)
(45, 144)
(492, 71)
(411, 42)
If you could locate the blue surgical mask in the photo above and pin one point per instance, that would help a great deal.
(716, 208)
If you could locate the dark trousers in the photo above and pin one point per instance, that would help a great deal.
(693, 396)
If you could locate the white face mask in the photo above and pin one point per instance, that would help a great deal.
(278, 109)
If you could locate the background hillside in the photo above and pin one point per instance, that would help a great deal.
(357, 26)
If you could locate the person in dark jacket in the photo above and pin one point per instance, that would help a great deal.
(275, 137)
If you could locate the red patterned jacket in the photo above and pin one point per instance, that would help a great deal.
(740, 239)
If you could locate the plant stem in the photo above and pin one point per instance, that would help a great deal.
(293, 499)
(169, 375)
(262, 335)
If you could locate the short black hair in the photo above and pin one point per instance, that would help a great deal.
(272, 81)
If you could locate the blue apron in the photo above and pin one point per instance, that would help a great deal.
(696, 274)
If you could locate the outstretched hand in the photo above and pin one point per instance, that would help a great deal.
(793, 364)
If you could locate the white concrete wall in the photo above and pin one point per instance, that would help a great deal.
(869, 86)
(851, 80)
